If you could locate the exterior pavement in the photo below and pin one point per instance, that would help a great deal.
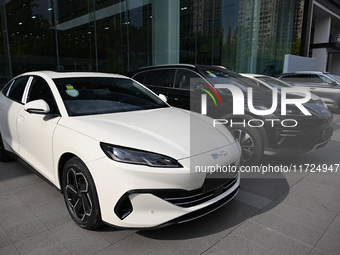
(288, 213)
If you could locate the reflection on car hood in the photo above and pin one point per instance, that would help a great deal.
(169, 131)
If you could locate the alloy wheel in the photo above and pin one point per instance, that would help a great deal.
(246, 142)
(78, 194)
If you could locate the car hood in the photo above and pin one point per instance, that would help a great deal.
(169, 131)
(313, 106)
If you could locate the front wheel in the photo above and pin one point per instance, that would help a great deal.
(80, 194)
(251, 144)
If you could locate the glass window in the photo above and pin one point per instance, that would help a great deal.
(31, 35)
(160, 78)
(241, 35)
(217, 75)
(318, 78)
(16, 89)
(140, 77)
(184, 78)
(336, 77)
(302, 78)
(6, 87)
(75, 31)
(40, 90)
(273, 82)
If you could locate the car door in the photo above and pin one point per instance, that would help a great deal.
(35, 131)
(11, 101)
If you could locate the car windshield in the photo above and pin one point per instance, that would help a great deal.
(273, 82)
(218, 75)
(100, 95)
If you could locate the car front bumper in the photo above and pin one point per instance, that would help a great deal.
(135, 196)
(308, 135)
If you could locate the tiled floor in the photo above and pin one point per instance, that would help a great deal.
(290, 214)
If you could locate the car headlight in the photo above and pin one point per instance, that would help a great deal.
(321, 102)
(294, 112)
(139, 157)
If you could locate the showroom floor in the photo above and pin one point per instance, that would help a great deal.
(285, 213)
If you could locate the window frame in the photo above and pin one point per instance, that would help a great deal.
(29, 88)
(8, 89)
(188, 70)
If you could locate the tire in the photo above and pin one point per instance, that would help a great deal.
(80, 194)
(251, 144)
(4, 157)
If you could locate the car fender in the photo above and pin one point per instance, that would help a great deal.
(63, 143)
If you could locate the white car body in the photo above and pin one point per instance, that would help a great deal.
(46, 141)
(257, 78)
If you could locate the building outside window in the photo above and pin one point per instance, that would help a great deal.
(120, 36)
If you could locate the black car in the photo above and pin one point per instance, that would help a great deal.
(272, 134)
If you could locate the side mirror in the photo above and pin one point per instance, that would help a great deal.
(163, 97)
(333, 83)
(37, 106)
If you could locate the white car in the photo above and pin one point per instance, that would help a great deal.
(271, 82)
(117, 152)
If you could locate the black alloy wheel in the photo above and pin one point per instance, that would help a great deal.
(80, 194)
(251, 144)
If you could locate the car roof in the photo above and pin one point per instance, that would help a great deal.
(254, 75)
(191, 66)
(55, 75)
(188, 66)
(303, 72)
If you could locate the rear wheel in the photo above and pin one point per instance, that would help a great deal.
(80, 194)
(3, 153)
(251, 144)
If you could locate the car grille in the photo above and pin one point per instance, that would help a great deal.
(211, 188)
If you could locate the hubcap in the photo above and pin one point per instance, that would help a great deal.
(78, 195)
(246, 142)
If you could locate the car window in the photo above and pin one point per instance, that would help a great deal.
(40, 90)
(336, 77)
(101, 95)
(140, 77)
(273, 82)
(16, 89)
(320, 78)
(6, 87)
(217, 75)
(183, 79)
(298, 78)
(160, 78)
